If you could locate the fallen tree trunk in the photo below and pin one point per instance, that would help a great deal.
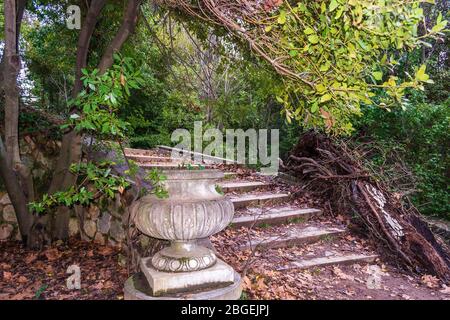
(330, 167)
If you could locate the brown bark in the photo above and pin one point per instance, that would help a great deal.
(11, 70)
(13, 18)
(393, 223)
(129, 22)
(15, 193)
(16, 176)
(20, 9)
(83, 41)
(71, 142)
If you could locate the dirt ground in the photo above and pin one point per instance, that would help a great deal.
(28, 274)
(269, 274)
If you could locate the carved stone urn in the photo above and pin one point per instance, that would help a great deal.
(184, 270)
(193, 210)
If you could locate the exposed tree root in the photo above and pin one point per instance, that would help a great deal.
(333, 169)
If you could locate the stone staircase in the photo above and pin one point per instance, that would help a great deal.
(278, 222)
(271, 216)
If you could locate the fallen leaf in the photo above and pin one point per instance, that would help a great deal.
(430, 281)
(108, 285)
(31, 257)
(98, 286)
(5, 266)
(23, 295)
(338, 272)
(260, 285)
(105, 251)
(446, 290)
(247, 283)
(7, 275)
(52, 254)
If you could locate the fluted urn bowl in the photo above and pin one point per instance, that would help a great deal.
(193, 210)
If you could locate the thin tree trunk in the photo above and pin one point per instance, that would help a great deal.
(20, 10)
(83, 42)
(129, 22)
(20, 185)
(72, 141)
(11, 69)
(16, 195)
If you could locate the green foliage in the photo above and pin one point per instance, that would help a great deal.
(420, 137)
(157, 180)
(338, 52)
(97, 106)
(345, 57)
(94, 180)
(219, 189)
(101, 99)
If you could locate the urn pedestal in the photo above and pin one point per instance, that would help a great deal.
(184, 270)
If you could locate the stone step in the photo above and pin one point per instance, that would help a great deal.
(171, 166)
(205, 158)
(144, 152)
(331, 260)
(243, 186)
(229, 175)
(275, 216)
(145, 158)
(258, 199)
(292, 237)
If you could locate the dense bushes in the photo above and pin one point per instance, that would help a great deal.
(420, 137)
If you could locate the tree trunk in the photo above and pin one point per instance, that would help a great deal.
(72, 141)
(83, 42)
(11, 70)
(129, 22)
(338, 174)
(17, 197)
(16, 176)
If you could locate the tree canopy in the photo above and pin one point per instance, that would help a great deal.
(333, 55)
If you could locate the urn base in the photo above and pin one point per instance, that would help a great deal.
(183, 256)
(137, 288)
(166, 284)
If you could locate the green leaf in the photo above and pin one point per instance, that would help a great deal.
(333, 5)
(313, 39)
(293, 53)
(282, 17)
(377, 75)
(325, 67)
(309, 31)
(314, 108)
(326, 97)
(421, 75)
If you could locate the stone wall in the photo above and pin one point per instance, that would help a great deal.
(101, 223)
(8, 220)
(39, 154)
